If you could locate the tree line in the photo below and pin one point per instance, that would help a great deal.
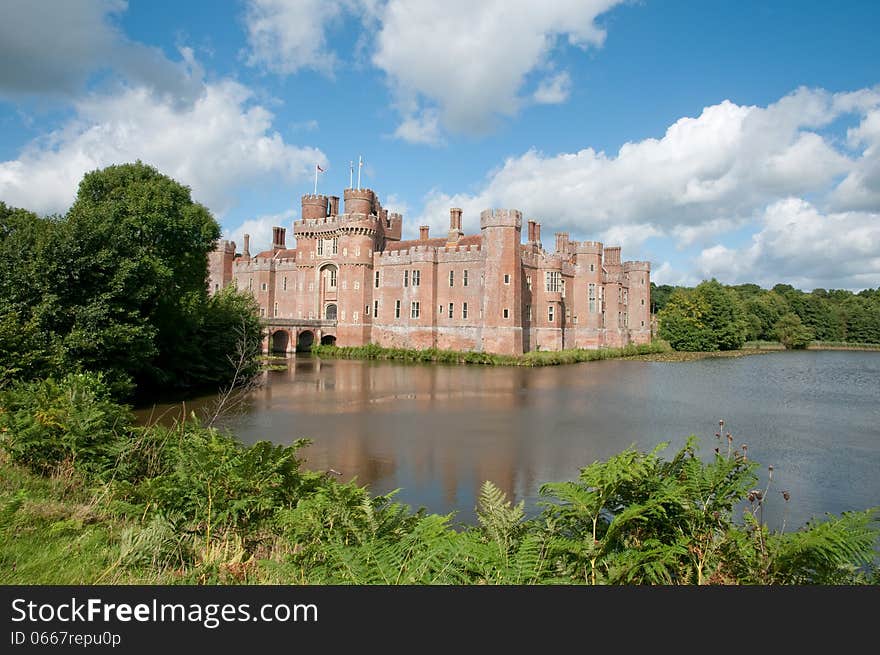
(118, 285)
(714, 316)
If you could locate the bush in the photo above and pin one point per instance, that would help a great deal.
(74, 419)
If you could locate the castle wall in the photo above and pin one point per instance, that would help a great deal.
(487, 292)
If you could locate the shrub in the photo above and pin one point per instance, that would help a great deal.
(74, 419)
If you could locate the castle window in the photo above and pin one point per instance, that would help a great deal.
(507, 278)
(529, 281)
(553, 281)
(625, 319)
(643, 324)
(592, 267)
(451, 278)
(396, 309)
(377, 279)
(414, 309)
(263, 286)
(344, 285)
(375, 308)
(335, 245)
(464, 310)
(464, 278)
(332, 278)
(529, 313)
(406, 278)
(311, 315)
(275, 310)
(366, 310)
(342, 315)
(416, 278)
(505, 312)
(563, 288)
(284, 283)
(603, 319)
(299, 314)
(311, 286)
(591, 295)
(354, 317)
(440, 309)
(250, 284)
(450, 309)
(626, 296)
(357, 251)
(345, 252)
(320, 246)
(643, 302)
(575, 320)
(216, 287)
(550, 313)
(262, 311)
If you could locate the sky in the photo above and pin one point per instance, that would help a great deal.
(735, 140)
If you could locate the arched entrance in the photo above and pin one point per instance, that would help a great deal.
(328, 340)
(330, 312)
(328, 286)
(304, 340)
(280, 340)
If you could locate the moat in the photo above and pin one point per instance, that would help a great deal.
(437, 432)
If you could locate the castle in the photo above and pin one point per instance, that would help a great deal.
(351, 281)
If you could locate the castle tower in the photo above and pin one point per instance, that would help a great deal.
(360, 201)
(314, 206)
(502, 295)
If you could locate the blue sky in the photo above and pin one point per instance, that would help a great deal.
(739, 140)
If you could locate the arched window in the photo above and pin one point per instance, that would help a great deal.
(330, 312)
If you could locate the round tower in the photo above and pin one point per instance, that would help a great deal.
(314, 206)
(359, 201)
(502, 306)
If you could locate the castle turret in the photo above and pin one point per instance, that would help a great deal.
(360, 201)
(314, 206)
(502, 297)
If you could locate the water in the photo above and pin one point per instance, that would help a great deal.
(437, 432)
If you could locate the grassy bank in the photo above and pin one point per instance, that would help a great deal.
(534, 358)
(87, 497)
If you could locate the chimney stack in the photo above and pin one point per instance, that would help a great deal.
(455, 232)
(247, 246)
(423, 232)
(538, 234)
(278, 238)
(334, 206)
(531, 234)
(561, 242)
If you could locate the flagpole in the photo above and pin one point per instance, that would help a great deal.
(316, 179)
(351, 174)
(360, 163)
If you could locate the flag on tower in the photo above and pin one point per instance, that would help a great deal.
(317, 168)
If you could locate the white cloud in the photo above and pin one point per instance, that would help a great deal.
(468, 60)
(706, 174)
(799, 245)
(285, 36)
(423, 129)
(217, 146)
(53, 48)
(553, 90)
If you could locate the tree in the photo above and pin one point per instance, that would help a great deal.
(709, 317)
(792, 333)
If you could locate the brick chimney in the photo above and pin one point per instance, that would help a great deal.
(455, 232)
(278, 238)
(247, 246)
(423, 232)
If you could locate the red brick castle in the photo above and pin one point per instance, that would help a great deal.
(352, 281)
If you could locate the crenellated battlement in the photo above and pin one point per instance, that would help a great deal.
(500, 218)
(636, 266)
(589, 248)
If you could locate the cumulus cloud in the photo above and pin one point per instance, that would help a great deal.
(802, 246)
(474, 69)
(285, 37)
(706, 173)
(53, 48)
(553, 90)
(218, 144)
(450, 64)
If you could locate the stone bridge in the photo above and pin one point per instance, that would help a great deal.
(290, 335)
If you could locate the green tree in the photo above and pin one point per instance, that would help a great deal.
(792, 333)
(709, 317)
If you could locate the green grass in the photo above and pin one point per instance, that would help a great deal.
(534, 358)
